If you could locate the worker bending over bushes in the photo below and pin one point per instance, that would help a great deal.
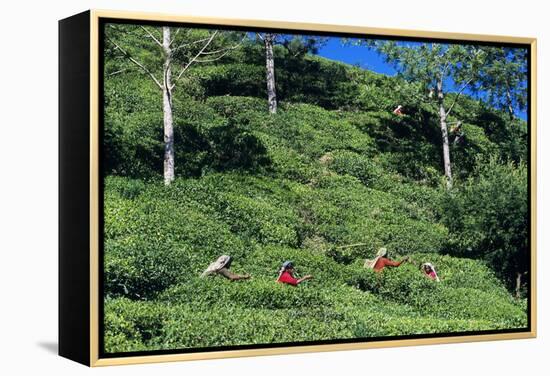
(287, 275)
(221, 266)
(381, 261)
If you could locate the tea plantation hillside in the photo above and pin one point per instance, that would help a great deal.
(159, 240)
(325, 171)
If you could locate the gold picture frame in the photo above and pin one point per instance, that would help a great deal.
(75, 260)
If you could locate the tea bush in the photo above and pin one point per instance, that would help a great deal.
(212, 311)
(361, 166)
(139, 268)
(344, 211)
(488, 217)
(159, 239)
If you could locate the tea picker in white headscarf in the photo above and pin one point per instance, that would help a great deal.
(429, 270)
(221, 266)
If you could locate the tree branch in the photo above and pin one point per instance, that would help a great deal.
(458, 95)
(445, 68)
(117, 72)
(152, 36)
(193, 59)
(175, 35)
(136, 62)
(224, 50)
(189, 44)
(214, 58)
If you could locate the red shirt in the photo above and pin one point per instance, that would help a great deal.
(383, 262)
(286, 277)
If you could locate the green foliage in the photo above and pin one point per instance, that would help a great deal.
(505, 78)
(236, 79)
(487, 217)
(464, 283)
(140, 268)
(473, 144)
(346, 302)
(344, 211)
(360, 166)
(159, 239)
(133, 131)
(510, 136)
(133, 325)
(333, 167)
(313, 131)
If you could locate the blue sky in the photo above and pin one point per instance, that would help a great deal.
(356, 55)
(368, 59)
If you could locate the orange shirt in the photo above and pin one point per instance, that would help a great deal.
(383, 262)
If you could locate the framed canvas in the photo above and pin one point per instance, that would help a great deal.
(234, 188)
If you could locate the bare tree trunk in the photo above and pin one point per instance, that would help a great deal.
(509, 104)
(270, 73)
(518, 284)
(444, 134)
(167, 108)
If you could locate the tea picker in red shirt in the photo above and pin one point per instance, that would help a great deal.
(381, 261)
(287, 275)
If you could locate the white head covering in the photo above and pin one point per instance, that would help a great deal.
(431, 267)
(217, 265)
(371, 263)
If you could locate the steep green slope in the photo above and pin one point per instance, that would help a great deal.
(329, 169)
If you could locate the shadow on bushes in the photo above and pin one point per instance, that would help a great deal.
(219, 148)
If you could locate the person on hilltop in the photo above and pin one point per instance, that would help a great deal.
(429, 271)
(221, 267)
(381, 261)
(287, 275)
(399, 111)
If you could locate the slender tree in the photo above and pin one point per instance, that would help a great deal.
(504, 79)
(296, 46)
(165, 57)
(270, 73)
(434, 66)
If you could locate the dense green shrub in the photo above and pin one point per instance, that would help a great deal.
(232, 79)
(139, 268)
(487, 216)
(159, 239)
(466, 150)
(344, 211)
(215, 312)
(447, 299)
(130, 326)
(362, 167)
(240, 107)
(261, 219)
(133, 127)
(313, 131)
(262, 292)
(509, 135)
(289, 164)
